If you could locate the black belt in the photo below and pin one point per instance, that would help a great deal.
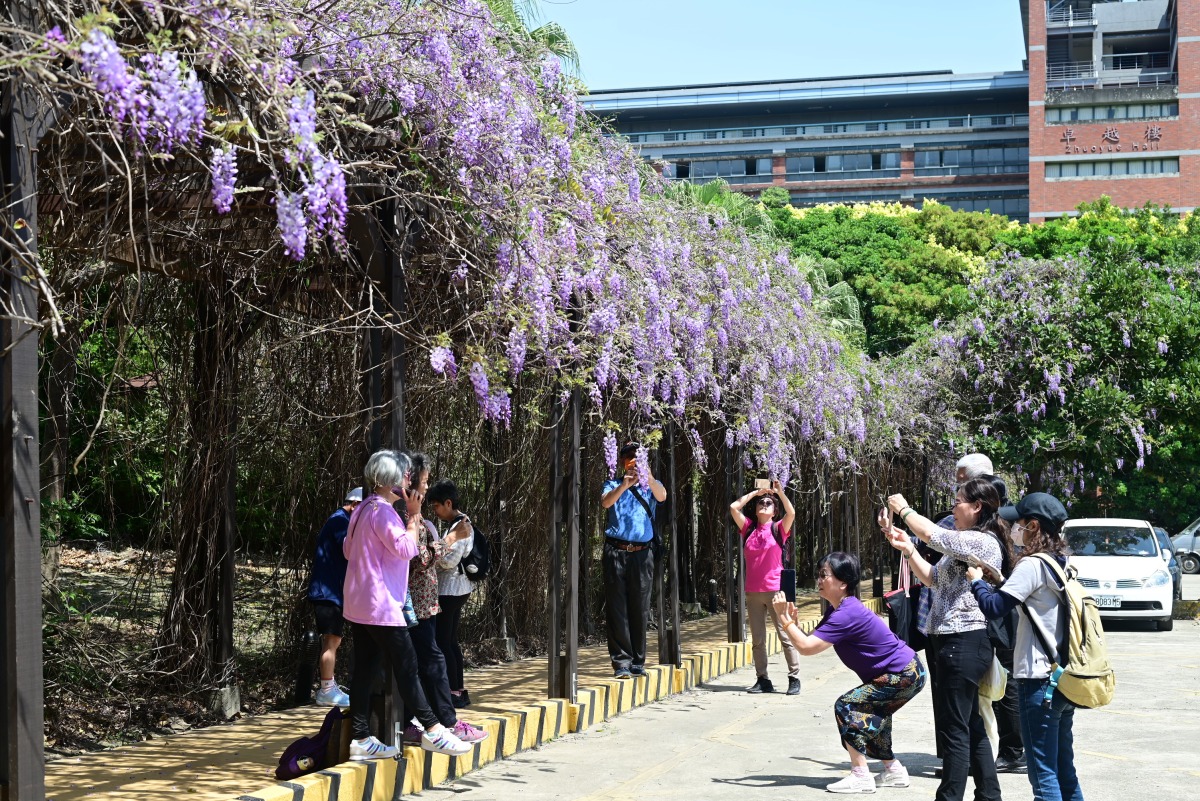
(625, 545)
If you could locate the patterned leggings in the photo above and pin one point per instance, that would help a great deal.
(864, 715)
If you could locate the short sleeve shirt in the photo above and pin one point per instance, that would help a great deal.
(764, 557)
(954, 608)
(627, 519)
(863, 641)
(1031, 582)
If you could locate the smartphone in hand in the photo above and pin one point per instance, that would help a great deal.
(762, 483)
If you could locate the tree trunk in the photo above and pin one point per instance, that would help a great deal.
(197, 633)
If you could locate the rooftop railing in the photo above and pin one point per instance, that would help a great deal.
(1120, 69)
(822, 130)
(1070, 17)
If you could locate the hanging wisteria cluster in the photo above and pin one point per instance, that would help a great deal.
(560, 246)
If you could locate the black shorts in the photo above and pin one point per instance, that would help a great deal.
(329, 617)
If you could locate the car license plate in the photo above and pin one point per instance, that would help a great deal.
(1107, 601)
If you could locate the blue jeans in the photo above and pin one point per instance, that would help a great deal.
(1049, 743)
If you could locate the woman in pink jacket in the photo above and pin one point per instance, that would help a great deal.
(378, 548)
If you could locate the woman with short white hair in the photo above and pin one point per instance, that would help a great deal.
(379, 547)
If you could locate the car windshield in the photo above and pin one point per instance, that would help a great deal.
(1111, 541)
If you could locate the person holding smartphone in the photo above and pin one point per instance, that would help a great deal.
(890, 672)
(959, 645)
(764, 537)
(628, 562)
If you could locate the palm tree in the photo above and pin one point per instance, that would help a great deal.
(521, 18)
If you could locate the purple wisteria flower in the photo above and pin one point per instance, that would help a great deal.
(293, 229)
(643, 467)
(441, 359)
(610, 453)
(176, 101)
(104, 65)
(223, 166)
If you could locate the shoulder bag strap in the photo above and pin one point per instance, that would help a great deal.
(1063, 603)
(644, 504)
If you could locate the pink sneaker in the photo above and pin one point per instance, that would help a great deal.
(412, 734)
(468, 733)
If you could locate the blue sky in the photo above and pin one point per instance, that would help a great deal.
(628, 43)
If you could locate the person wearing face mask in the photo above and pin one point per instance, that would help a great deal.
(1046, 726)
(890, 672)
(958, 642)
(764, 538)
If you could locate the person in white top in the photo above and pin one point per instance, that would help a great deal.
(454, 587)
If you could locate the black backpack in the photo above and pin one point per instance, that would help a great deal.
(477, 562)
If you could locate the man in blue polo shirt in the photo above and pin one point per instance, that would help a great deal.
(628, 562)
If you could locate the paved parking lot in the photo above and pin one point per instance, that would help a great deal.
(719, 742)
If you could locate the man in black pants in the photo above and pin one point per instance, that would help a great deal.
(628, 562)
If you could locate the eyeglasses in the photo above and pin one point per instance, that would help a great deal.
(766, 502)
(957, 501)
(824, 574)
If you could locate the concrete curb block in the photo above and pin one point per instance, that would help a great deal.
(519, 730)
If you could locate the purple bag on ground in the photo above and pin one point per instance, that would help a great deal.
(309, 753)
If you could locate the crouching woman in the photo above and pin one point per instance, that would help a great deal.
(890, 671)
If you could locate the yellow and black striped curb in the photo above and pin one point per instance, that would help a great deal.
(518, 730)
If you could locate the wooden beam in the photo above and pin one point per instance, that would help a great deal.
(22, 771)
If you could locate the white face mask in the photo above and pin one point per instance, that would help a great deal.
(1017, 534)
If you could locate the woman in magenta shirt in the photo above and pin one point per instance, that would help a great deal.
(890, 672)
(764, 539)
(378, 548)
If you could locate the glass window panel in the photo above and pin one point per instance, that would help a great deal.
(833, 164)
(1086, 169)
(1136, 110)
(1172, 165)
(1053, 170)
(792, 165)
(890, 161)
(1103, 168)
(1109, 112)
(1120, 168)
(954, 158)
(763, 167)
(1052, 115)
(1086, 113)
(1137, 167)
(1070, 170)
(1173, 110)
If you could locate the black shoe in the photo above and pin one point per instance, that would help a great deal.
(637, 670)
(793, 686)
(1017, 765)
(461, 700)
(763, 685)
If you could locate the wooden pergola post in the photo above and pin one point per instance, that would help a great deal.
(22, 771)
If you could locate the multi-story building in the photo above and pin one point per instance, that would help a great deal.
(1114, 91)
(1104, 106)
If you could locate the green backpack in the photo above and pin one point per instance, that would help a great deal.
(1084, 676)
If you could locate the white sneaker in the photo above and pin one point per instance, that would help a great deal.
(444, 741)
(896, 777)
(371, 748)
(334, 697)
(853, 784)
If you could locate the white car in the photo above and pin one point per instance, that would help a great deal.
(1121, 567)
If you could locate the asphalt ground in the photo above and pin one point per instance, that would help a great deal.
(718, 742)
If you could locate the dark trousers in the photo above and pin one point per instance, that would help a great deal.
(373, 645)
(628, 580)
(431, 665)
(962, 660)
(1008, 712)
(447, 636)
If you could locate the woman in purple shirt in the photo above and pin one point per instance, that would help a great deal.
(378, 548)
(890, 671)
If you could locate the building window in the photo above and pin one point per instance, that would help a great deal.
(1126, 111)
(801, 164)
(928, 158)
(713, 134)
(762, 167)
(889, 161)
(670, 137)
(1059, 170)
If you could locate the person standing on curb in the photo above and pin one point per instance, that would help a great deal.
(325, 595)
(764, 539)
(628, 561)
